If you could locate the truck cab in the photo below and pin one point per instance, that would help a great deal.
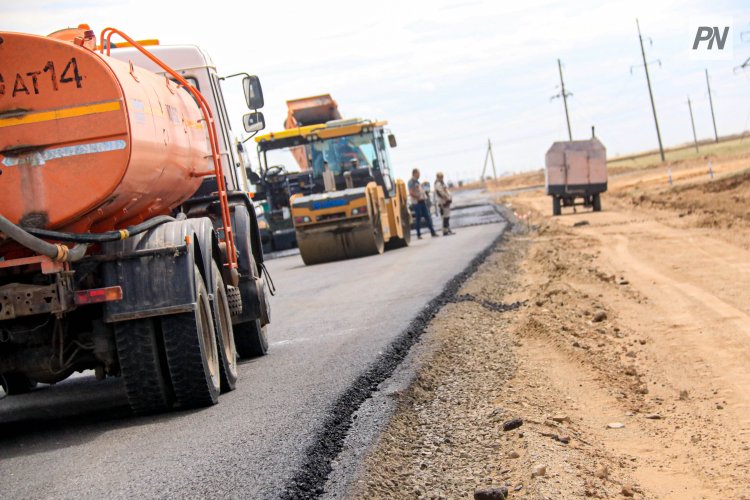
(197, 67)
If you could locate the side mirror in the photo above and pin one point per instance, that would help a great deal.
(253, 92)
(392, 140)
(252, 176)
(253, 122)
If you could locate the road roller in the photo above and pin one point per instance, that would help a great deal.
(346, 204)
(129, 245)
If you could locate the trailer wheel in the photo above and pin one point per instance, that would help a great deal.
(251, 339)
(142, 366)
(597, 202)
(192, 353)
(224, 332)
(556, 205)
(16, 383)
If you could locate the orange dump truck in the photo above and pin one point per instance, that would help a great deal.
(305, 111)
(128, 243)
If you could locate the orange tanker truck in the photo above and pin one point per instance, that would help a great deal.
(128, 243)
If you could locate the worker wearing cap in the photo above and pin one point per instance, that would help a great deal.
(418, 203)
(444, 200)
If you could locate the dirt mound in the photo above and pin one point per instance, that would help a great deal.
(739, 182)
(722, 203)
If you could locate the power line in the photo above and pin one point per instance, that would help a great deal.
(564, 96)
(692, 122)
(491, 157)
(650, 92)
(711, 102)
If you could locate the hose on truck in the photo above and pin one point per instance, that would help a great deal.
(54, 251)
(118, 235)
(31, 238)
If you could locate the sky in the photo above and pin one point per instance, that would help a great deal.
(449, 75)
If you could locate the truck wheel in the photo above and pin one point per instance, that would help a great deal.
(251, 339)
(142, 366)
(192, 353)
(597, 202)
(16, 383)
(556, 207)
(224, 333)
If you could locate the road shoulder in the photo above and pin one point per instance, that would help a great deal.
(579, 364)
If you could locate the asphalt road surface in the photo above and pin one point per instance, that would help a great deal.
(329, 323)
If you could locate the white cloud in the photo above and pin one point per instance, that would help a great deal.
(447, 74)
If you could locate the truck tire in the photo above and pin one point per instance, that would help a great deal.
(251, 339)
(597, 203)
(16, 383)
(224, 332)
(142, 366)
(556, 207)
(192, 353)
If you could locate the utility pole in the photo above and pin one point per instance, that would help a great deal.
(692, 122)
(564, 96)
(490, 157)
(711, 102)
(650, 93)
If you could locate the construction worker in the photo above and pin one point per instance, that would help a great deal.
(329, 178)
(444, 200)
(418, 197)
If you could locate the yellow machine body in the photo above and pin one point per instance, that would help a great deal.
(365, 215)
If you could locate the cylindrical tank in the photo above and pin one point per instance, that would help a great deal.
(89, 143)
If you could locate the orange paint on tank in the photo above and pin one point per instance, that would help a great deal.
(89, 143)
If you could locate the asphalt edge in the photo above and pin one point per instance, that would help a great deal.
(310, 479)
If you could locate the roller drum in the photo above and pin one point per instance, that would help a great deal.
(317, 246)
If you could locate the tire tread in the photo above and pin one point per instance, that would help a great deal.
(141, 366)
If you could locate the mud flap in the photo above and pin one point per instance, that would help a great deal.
(155, 270)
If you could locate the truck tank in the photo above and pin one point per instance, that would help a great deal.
(89, 143)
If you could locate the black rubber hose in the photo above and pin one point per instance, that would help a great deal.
(100, 237)
(55, 252)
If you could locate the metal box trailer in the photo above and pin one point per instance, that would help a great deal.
(576, 170)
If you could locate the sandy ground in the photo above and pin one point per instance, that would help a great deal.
(621, 339)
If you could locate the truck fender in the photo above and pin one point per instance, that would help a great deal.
(205, 245)
(252, 287)
(247, 240)
(257, 244)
